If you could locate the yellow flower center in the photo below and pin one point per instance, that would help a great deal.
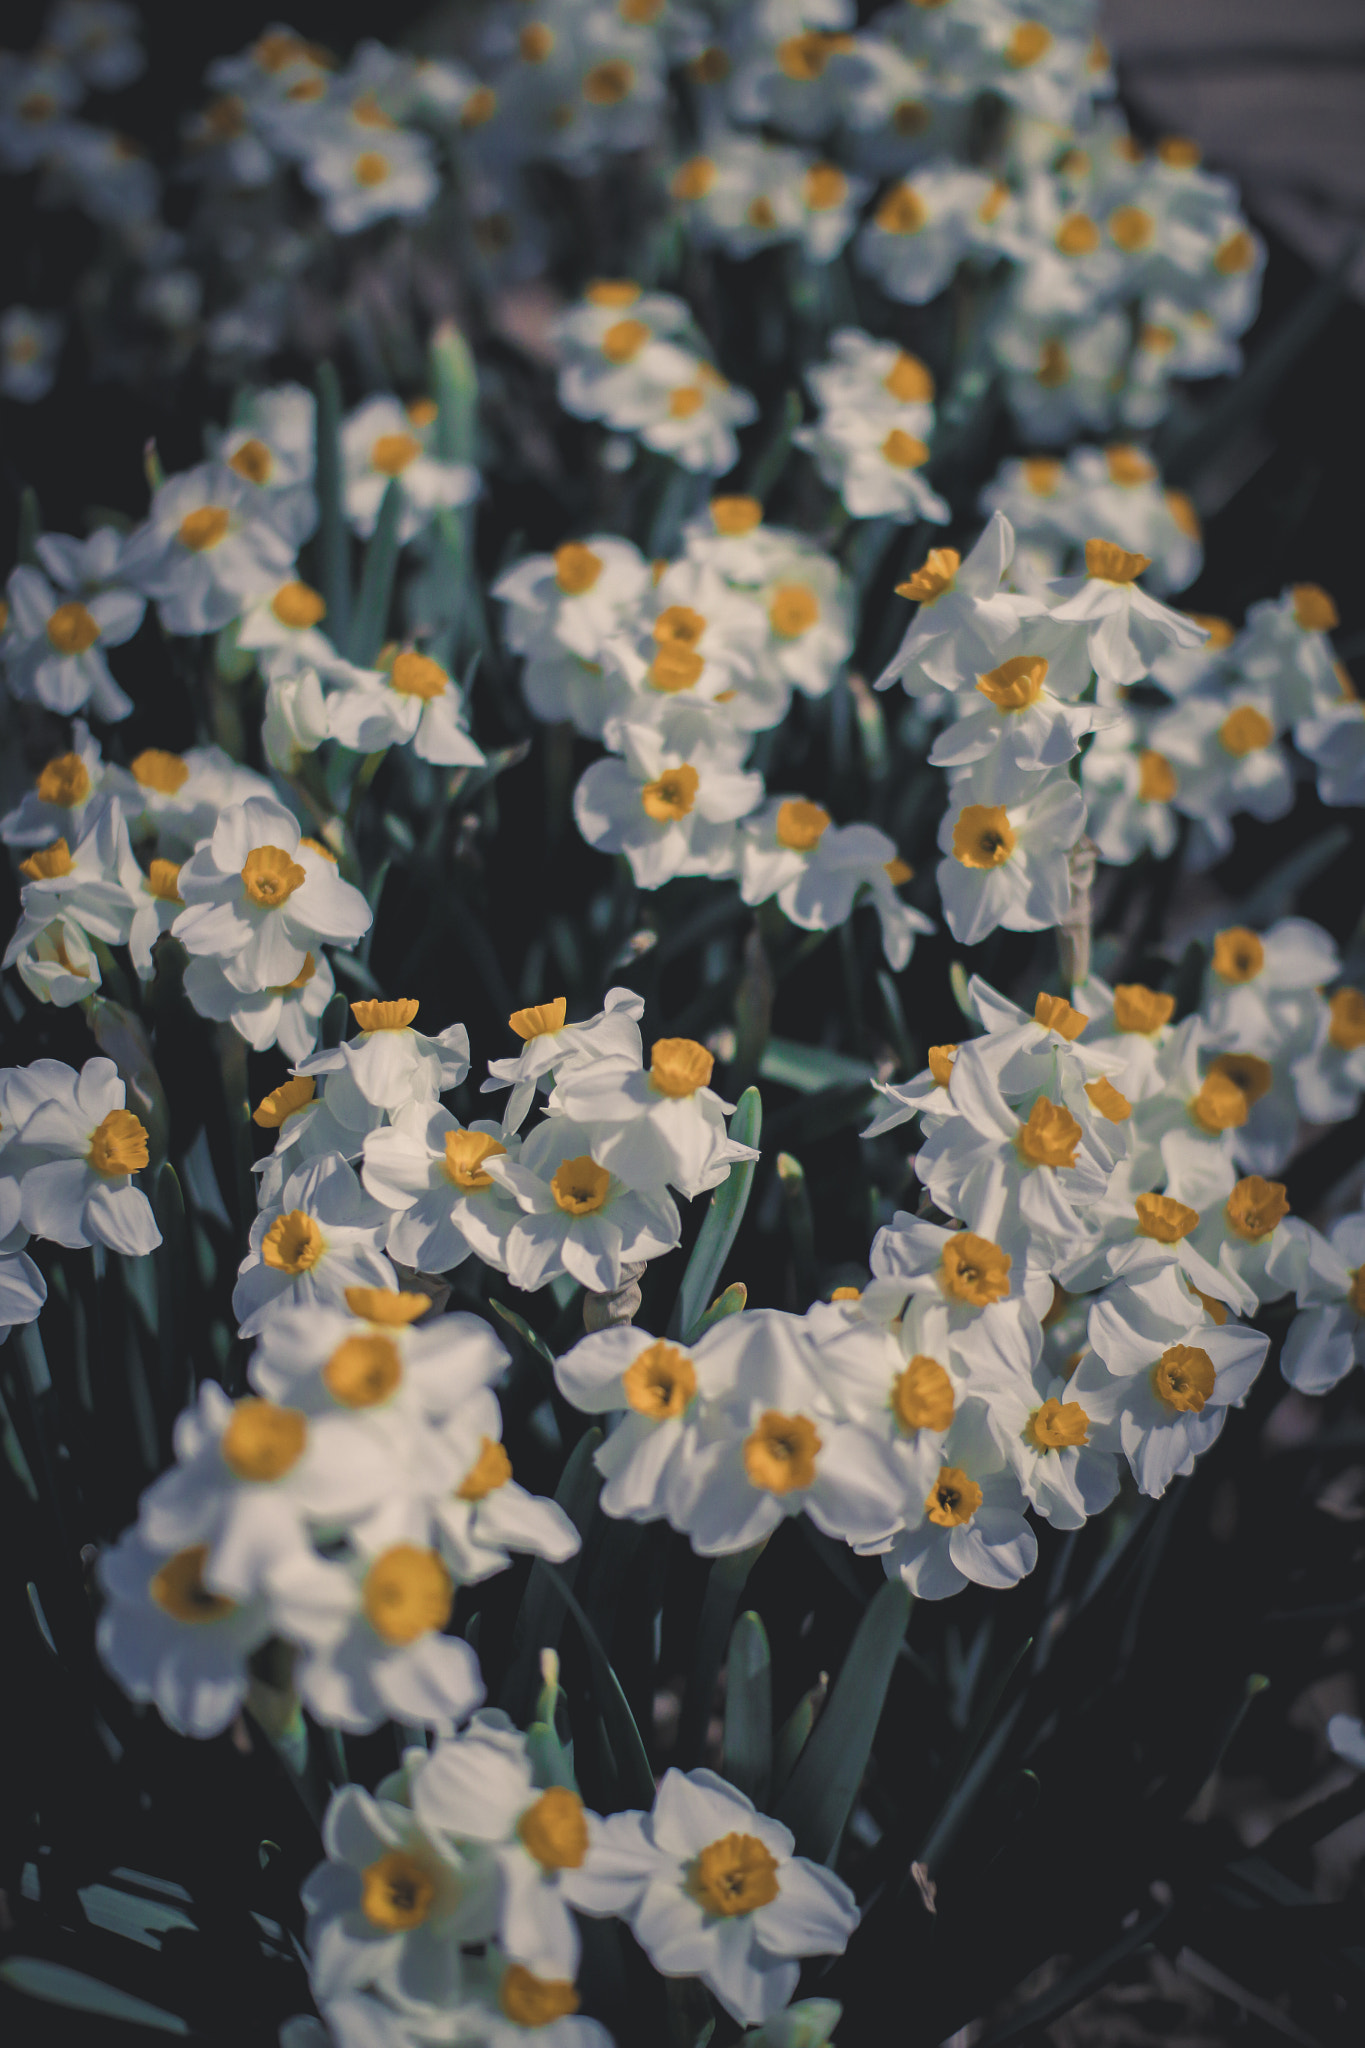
(909, 381)
(535, 42)
(532, 2001)
(1356, 1297)
(624, 340)
(904, 451)
(294, 1243)
(270, 876)
(49, 863)
(1128, 466)
(490, 1470)
(178, 1588)
(941, 1059)
(555, 1830)
(1042, 474)
(118, 1145)
(672, 795)
(679, 625)
(825, 187)
(1138, 1008)
(577, 568)
(661, 1383)
(1183, 1378)
(1163, 1218)
(922, 1396)
(396, 1892)
(608, 83)
(64, 782)
(1346, 1019)
(1051, 1137)
(1054, 365)
(1245, 731)
(1016, 684)
(1314, 610)
(1238, 954)
(735, 1875)
(163, 881)
(779, 1455)
(679, 1066)
(1236, 255)
(954, 1500)
(1078, 235)
(1220, 1105)
(1057, 1426)
(801, 825)
(1107, 562)
(1178, 153)
(155, 769)
(736, 515)
(1157, 780)
(580, 1186)
(898, 871)
(391, 454)
(803, 58)
(465, 1155)
(384, 1305)
(1181, 508)
(983, 836)
(541, 1019)
(1055, 1013)
(694, 179)
(675, 667)
(1104, 1097)
(298, 606)
(203, 529)
(372, 168)
(479, 108)
(253, 461)
(1131, 227)
(263, 1442)
(407, 1593)
(793, 611)
(1255, 1207)
(1029, 43)
(974, 1270)
(685, 401)
(1157, 338)
(378, 1016)
(363, 1371)
(72, 630)
(1253, 1076)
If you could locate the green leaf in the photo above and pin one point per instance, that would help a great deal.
(727, 1303)
(632, 1759)
(529, 1337)
(56, 1984)
(540, 1616)
(791, 1179)
(724, 1214)
(334, 559)
(897, 1028)
(376, 580)
(455, 386)
(809, 1068)
(957, 981)
(726, 1582)
(793, 1736)
(820, 1793)
(774, 457)
(748, 1750)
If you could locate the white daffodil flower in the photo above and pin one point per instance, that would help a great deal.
(383, 442)
(391, 1906)
(1330, 1077)
(659, 1392)
(1038, 1171)
(389, 1063)
(1257, 982)
(690, 413)
(971, 1526)
(1126, 630)
(550, 1045)
(810, 633)
(308, 1125)
(921, 230)
(1225, 754)
(774, 1442)
(1285, 645)
(372, 1629)
(260, 898)
(965, 618)
(1059, 375)
(657, 1128)
(718, 1894)
(925, 1095)
(295, 720)
(577, 1217)
(1132, 1021)
(57, 963)
(1140, 1231)
(1025, 1053)
(1044, 1436)
(205, 549)
(366, 1355)
(1327, 1336)
(1160, 1376)
(80, 1148)
(702, 642)
(55, 807)
(966, 1270)
(324, 1236)
(369, 178)
(253, 1478)
(1183, 1130)
(180, 797)
(671, 800)
(483, 1517)
(54, 648)
(23, 1289)
(408, 698)
(616, 344)
(272, 445)
(170, 1638)
(477, 1793)
(96, 884)
(1129, 790)
(1253, 1235)
(507, 2005)
(286, 621)
(430, 1172)
(287, 1014)
(875, 468)
(563, 612)
(864, 376)
(1335, 744)
(1022, 714)
(818, 870)
(158, 903)
(1007, 861)
(30, 344)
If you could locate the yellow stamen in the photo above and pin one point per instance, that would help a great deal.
(1029, 43)
(904, 451)
(372, 168)
(1219, 1106)
(294, 1243)
(201, 530)
(941, 1059)
(1238, 955)
(1131, 227)
(1055, 1013)
(298, 606)
(1078, 235)
(779, 1454)
(178, 1588)
(1016, 684)
(253, 461)
(407, 1593)
(532, 2001)
(118, 1145)
(983, 836)
(735, 1875)
(1157, 779)
(270, 876)
(396, 1892)
(1255, 1077)
(1245, 731)
(661, 1383)
(1183, 1378)
(155, 769)
(384, 1305)
(1314, 609)
(793, 610)
(64, 782)
(580, 1186)
(1128, 466)
(608, 83)
(937, 573)
(1113, 1106)
(391, 454)
(49, 864)
(672, 796)
(1346, 1019)
(1256, 1207)
(954, 1500)
(466, 1152)
(1107, 562)
(693, 179)
(1057, 1426)
(974, 1270)
(736, 515)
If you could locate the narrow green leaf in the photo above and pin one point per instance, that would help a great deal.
(333, 545)
(820, 1793)
(632, 1759)
(455, 387)
(897, 1028)
(529, 1337)
(540, 1616)
(957, 981)
(1077, 1985)
(56, 1984)
(748, 1750)
(809, 1068)
(728, 1303)
(774, 457)
(376, 580)
(727, 1581)
(791, 1179)
(793, 1736)
(724, 1215)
